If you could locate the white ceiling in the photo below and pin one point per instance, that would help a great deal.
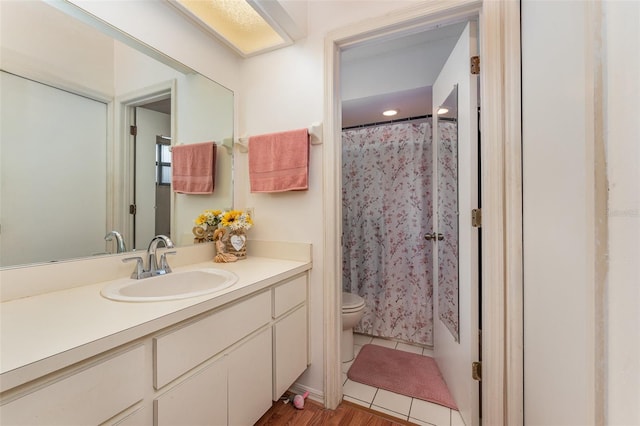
(381, 58)
(367, 110)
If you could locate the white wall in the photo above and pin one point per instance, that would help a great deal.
(622, 72)
(558, 284)
(563, 240)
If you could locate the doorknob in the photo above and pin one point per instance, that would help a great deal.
(434, 236)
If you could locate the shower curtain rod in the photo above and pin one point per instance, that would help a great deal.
(398, 120)
(379, 123)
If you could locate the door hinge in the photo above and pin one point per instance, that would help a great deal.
(475, 65)
(476, 371)
(133, 130)
(476, 218)
(132, 209)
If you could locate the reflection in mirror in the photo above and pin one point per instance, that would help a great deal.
(71, 171)
(448, 294)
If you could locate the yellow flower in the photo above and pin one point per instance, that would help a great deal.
(201, 219)
(236, 219)
(230, 217)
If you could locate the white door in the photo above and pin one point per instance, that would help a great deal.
(53, 173)
(150, 124)
(456, 342)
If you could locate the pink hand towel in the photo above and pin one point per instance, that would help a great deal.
(193, 168)
(279, 162)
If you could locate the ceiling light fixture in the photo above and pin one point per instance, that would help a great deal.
(442, 110)
(247, 26)
(390, 113)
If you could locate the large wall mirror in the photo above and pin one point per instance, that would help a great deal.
(72, 171)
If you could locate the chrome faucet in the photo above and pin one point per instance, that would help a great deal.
(120, 245)
(152, 260)
(153, 268)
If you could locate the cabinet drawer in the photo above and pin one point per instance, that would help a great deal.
(178, 351)
(90, 396)
(289, 294)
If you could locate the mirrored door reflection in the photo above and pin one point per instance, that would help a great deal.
(448, 247)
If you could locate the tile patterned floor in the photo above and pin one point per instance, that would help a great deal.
(400, 406)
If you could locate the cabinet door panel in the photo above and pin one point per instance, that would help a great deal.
(250, 380)
(290, 347)
(199, 400)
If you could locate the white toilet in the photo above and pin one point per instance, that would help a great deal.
(352, 312)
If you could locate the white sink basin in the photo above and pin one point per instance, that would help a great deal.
(172, 286)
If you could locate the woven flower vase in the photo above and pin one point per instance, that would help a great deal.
(236, 243)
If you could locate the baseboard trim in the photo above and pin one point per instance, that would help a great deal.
(314, 394)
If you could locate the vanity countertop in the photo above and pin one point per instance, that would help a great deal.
(43, 333)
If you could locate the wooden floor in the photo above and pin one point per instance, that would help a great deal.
(314, 413)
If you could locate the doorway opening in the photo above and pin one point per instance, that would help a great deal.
(499, 35)
(147, 202)
(412, 286)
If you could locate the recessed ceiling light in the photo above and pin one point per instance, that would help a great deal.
(442, 110)
(390, 113)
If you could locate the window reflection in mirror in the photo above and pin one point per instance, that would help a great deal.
(67, 175)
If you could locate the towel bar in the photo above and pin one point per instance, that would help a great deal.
(226, 142)
(315, 138)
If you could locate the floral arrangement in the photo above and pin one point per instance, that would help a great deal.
(227, 229)
(236, 220)
(209, 218)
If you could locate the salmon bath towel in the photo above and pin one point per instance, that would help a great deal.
(194, 168)
(279, 162)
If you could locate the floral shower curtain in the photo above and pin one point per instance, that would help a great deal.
(386, 210)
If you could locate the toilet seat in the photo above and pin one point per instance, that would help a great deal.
(351, 302)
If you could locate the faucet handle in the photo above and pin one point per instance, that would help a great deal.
(139, 271)
(164, 265)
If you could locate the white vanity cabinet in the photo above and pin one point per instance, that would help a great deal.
(233, 386)
(221, 366)
(89, 394)
(234, 389)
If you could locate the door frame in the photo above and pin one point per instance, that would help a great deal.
(123, 150)
(501, 176)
